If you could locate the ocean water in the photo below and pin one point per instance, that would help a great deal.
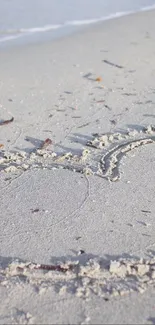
(34, 20)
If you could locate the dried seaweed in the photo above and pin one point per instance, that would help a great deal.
(59, 268)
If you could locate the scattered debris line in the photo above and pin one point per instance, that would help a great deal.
(102, 159)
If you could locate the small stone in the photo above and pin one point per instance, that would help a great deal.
(143, 269)
(25, 167)
(114, 265)
(141, 290)
(87, 171)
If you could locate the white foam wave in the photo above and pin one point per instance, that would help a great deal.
(14, 34)
(40, 29)
(147, 8)
(10, 38)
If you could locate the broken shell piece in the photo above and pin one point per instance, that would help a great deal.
(118, 269)
(114, 265)
(85, 152)
(10, 169)
(87, 171)
(32, 155)
(43, 153)
(2, 160)
(53, 154)
(64, 156)
(9, 156)
(111, 138)
(93, 143)
(22, 154)
(149, 129)
(143, 269)
(141, 290)
(118, 136)
(25, 167)
(68, 155)
(103, 140)
(115, 179)
(132, 133)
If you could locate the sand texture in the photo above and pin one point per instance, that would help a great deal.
(77, 143)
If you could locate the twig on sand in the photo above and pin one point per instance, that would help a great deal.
(113, 64)
(7, 121)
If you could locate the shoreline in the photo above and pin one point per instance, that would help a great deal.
(81, 103)
(62, 31)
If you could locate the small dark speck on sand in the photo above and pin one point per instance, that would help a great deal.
(106, 299)
(68, 92)
(146, 235)
(81, 251)
(106, 106)
(129, 94)
(113, 122)
(129, 224)
(131, 71)
(87, 75)
(35, 210)
(78, 237)
(148, 102)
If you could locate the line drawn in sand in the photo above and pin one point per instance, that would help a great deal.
(95, 276)
(100, 156)
(111, 160)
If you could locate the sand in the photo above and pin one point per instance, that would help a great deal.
(77, 177)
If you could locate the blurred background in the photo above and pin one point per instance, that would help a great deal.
(39, 19)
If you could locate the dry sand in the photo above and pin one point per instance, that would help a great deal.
(84, 202)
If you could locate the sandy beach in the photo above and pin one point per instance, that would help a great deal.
(77, 231)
